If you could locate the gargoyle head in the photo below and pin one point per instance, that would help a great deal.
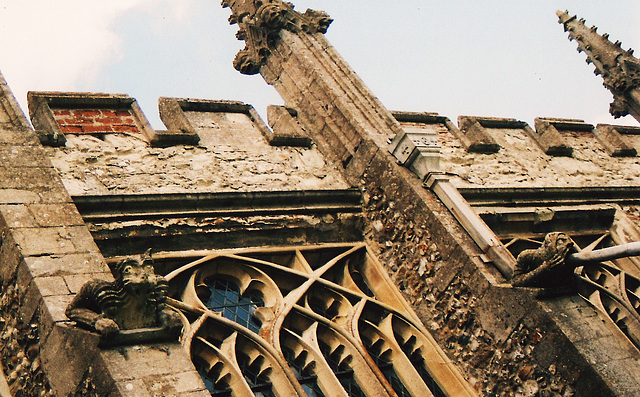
(136, 274)
(557, 244)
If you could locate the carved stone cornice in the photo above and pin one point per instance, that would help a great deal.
(618, 68)
(260, 24)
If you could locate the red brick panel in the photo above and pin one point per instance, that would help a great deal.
(79, 121)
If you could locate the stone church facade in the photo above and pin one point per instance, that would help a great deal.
(339, 249)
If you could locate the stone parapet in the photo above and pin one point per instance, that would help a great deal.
(55, 114)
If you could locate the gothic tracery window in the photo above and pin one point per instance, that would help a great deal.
(317, 321)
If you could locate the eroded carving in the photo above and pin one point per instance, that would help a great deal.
(260, 23)
(545, 266)
(135, 300)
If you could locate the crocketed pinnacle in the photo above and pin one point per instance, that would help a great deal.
(260, 23)
(618, 68)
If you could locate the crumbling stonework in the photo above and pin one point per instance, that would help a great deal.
(500, 336)
(233, 156)
(20, 350)
(107, 184)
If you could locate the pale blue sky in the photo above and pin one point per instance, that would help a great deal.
(484, 58)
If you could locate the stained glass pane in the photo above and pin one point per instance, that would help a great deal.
(225, 297)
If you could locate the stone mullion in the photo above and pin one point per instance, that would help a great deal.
(326, 378)
(403, 367)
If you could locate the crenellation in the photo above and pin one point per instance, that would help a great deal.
(286, 129)
(477, 140)
(614, 141)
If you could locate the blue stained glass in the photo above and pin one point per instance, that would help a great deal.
(225, 297)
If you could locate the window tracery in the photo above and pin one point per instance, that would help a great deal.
(316, 320)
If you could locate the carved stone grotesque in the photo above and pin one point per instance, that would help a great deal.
(135, 300)
(545, 266)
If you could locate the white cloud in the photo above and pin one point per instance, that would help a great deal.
(57, 45)
(171, 10)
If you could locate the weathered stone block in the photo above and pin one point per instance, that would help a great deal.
(132, 388)
(142, 361)
(54, 194)
(13, 135)
(17, 216)
(613, 141)
(52, 311)
(44, 241)
(66, 354)
(173, 116)
(548, 138)
(31, 300)
(476, 139)
(80, 237)
(66, 264)
(10, 257)
(361, 161)
(512, 304)
(59, 214)
(75, 281)
(29, 178)
(23, 156)
(175, 384)
(48, 286)
(286, 129)
(18, 196)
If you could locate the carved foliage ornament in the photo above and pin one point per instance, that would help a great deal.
(260, 23)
